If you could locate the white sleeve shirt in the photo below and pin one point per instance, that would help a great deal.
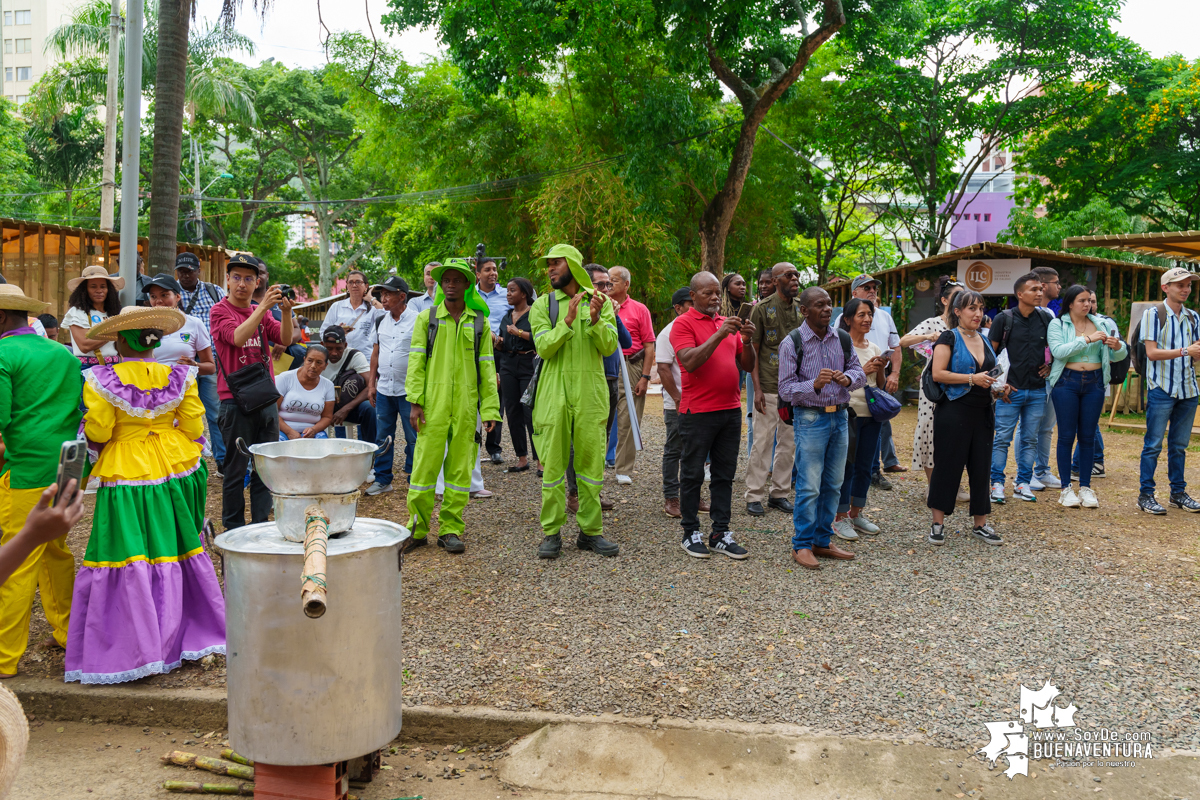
(362, 319)
(394, 337)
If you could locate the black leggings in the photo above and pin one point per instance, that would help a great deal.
(963, 431)
(514, 378)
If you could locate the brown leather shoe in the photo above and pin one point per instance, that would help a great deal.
(606, 504)
(573, 503)
(833, 551)
(704, 506)
(895, 468)
(671, 508)
(805, 558)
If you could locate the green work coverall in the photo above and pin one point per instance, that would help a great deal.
(443, 384)
(572, 405)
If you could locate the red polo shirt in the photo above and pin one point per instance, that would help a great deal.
(637, 321)
(714, 386)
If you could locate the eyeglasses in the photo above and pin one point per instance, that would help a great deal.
(243, 278)
(356, 282)
(602, 284)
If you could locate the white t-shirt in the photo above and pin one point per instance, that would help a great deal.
(858, 398)
(358, 363)
(362, 319)
(665, 354)
(78, 318)
(301, 408)
(394, 338)
(187, 341)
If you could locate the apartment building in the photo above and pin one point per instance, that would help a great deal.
(24, 27)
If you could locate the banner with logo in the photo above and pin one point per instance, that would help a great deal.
(992, 275)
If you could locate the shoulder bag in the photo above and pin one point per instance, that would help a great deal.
(251, 386)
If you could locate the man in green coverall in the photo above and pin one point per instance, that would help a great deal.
(572, 397)
(448, 396)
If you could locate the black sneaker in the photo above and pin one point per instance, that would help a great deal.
(1149, 504)
(937, 534)
(726, 545)
(880, 481)
(597, 543)
(1098, 470)
(451, 543)
(1182, 500)
(986, 534)
(551, 546)
(781, 503)
(755, 509)
(693, 545)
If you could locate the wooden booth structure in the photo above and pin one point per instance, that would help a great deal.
(42, 258)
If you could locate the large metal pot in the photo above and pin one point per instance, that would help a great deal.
(313, 691)
(313, 466)
(291, 519)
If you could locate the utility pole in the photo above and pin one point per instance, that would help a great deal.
(108, 186)
(131, 157)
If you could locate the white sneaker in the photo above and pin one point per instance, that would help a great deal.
(707, 473)
(1068, 499)
(963, 495)
(1022, 492)
(997, 495)
(1088, 498)
(844, 529)
(1047, 480)
(624, 480)
(377, 488)
(865, 525)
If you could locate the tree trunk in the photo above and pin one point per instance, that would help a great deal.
(718, 215)
(325, 277)
(174, 17)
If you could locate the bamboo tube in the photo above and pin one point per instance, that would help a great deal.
(316, 542)
(229, 755)
(214, 765)
(190, 787)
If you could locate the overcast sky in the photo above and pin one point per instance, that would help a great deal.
(292, 34)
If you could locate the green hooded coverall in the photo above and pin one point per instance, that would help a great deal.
(572, 399)
(444, 384)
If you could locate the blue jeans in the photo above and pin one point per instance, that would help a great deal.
(363, 416)
(206, 385)
(821, 441)
(611, 453)
(1099, 453)
(283, 438)
(857, 478)
(1045, 439)
(1078, 402)
(887, 449)
(1027, 407)
(1161, 408)
(387, 409)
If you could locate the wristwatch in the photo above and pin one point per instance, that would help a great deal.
(644, 375)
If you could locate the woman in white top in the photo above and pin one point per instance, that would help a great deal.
(190, 344)
(93, 299)
(306, 398)
(356, 314)
(863, 450)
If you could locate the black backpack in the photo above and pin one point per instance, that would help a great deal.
(480, 323)
(784, 407)
(1138, 348)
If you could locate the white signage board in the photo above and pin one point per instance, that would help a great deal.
(992, 275)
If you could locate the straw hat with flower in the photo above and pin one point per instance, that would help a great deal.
(14, 738)
(92, 272)
(138, 318)
(13, 299)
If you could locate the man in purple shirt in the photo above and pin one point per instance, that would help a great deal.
(818, 388)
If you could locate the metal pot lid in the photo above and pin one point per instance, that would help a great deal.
(313, 449)
(265, 539)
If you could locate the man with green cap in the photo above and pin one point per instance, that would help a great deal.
(574, 327)
(448, 389)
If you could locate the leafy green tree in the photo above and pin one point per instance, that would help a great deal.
(1137, 145)
(1031, 227)
(15, 164)
(928, 77)
(64, 148)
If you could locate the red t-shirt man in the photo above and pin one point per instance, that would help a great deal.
(715, 385)
(225, 318)
(636, 318)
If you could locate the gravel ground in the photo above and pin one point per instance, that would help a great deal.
(908, 640)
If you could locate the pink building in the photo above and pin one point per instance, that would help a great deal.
(980, 217)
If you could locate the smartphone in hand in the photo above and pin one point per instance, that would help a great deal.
(71, 459)
(744, 311)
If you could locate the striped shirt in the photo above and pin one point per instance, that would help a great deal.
(796, 384)
(204, 301)
(1175, 376)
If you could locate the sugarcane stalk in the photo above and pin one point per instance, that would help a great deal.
(316, 543)
(190, 787)
(209, 763)
(229, 755)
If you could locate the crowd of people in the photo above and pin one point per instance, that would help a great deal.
(569, 369)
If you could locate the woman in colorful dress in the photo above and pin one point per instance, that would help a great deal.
(147, 596)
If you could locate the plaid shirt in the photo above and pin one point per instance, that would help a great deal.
(204, 301)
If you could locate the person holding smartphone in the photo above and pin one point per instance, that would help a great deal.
(40, 385)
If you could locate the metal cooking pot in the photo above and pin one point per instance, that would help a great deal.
(313, 691)
(313, 466)
(290, 508)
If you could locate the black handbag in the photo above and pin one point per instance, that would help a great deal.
(934, 392)
(251, 386)
(348, 384)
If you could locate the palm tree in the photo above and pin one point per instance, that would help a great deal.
(63, 147)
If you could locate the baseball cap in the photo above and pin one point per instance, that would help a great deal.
(187, 261)
(335, 335)
(164, 280)
(863, 280)
(1177, 274)
(243, 260)
(681, 296)
(397, 284)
